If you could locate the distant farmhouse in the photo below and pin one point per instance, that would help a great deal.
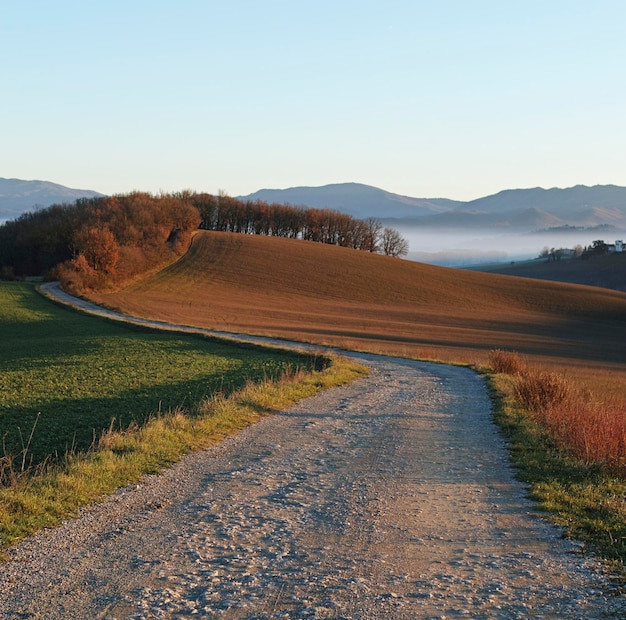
(567, 252)
(598, 248)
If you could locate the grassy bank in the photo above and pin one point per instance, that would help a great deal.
(87, 405)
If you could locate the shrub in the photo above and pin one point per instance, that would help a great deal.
(506, 362)
(538, 391)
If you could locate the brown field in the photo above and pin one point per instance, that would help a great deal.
(352, 299)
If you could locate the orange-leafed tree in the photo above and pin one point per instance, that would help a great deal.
(99, 249)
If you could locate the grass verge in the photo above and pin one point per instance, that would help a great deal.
(56, 492)
(587, 499)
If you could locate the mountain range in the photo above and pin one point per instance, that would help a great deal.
(360, 201)
(519, 210)
(18, 196)
(510, 225)
(602, 207)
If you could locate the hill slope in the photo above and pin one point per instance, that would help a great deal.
(355, 199)
(608, 271)
(331, 295)
(561, 202)
(18, 196)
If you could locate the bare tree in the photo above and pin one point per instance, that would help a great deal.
(393, 243)
(372, 235)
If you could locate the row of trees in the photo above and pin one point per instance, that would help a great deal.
(228, 214)
(102, 241)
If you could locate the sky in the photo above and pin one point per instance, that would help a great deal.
(454, 98)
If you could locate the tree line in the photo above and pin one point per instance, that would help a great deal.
(104, 241)
(224, 213)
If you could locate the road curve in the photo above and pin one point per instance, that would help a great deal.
(391, 497)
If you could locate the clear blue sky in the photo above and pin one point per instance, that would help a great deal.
(450, 98)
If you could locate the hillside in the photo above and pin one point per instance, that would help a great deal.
(332, 295)
(18, 196)
(608, 271)
(559, 202)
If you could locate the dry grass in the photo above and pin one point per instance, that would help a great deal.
(590, 429)
(593, 431)
(582, 493)
(540, 391)
(506, 362)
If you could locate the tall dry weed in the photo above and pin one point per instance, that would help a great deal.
(8, 471)
(539, 391)
(592, 430)
(506, 362)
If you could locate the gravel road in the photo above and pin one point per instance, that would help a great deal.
(391, 497)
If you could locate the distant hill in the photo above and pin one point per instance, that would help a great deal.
(18, 196)
(518, 210)
(608, 271)
(357, 200)
(600, 205)
(562, 203)
(511, 210)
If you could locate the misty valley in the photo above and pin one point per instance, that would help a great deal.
(458, 248)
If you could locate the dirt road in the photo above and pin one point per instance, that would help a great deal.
(388, 498)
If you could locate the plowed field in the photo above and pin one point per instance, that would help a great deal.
(337, 296)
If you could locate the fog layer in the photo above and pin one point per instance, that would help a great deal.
(461, 248)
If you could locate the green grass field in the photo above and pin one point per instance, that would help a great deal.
(88, 405)
(67, 377)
